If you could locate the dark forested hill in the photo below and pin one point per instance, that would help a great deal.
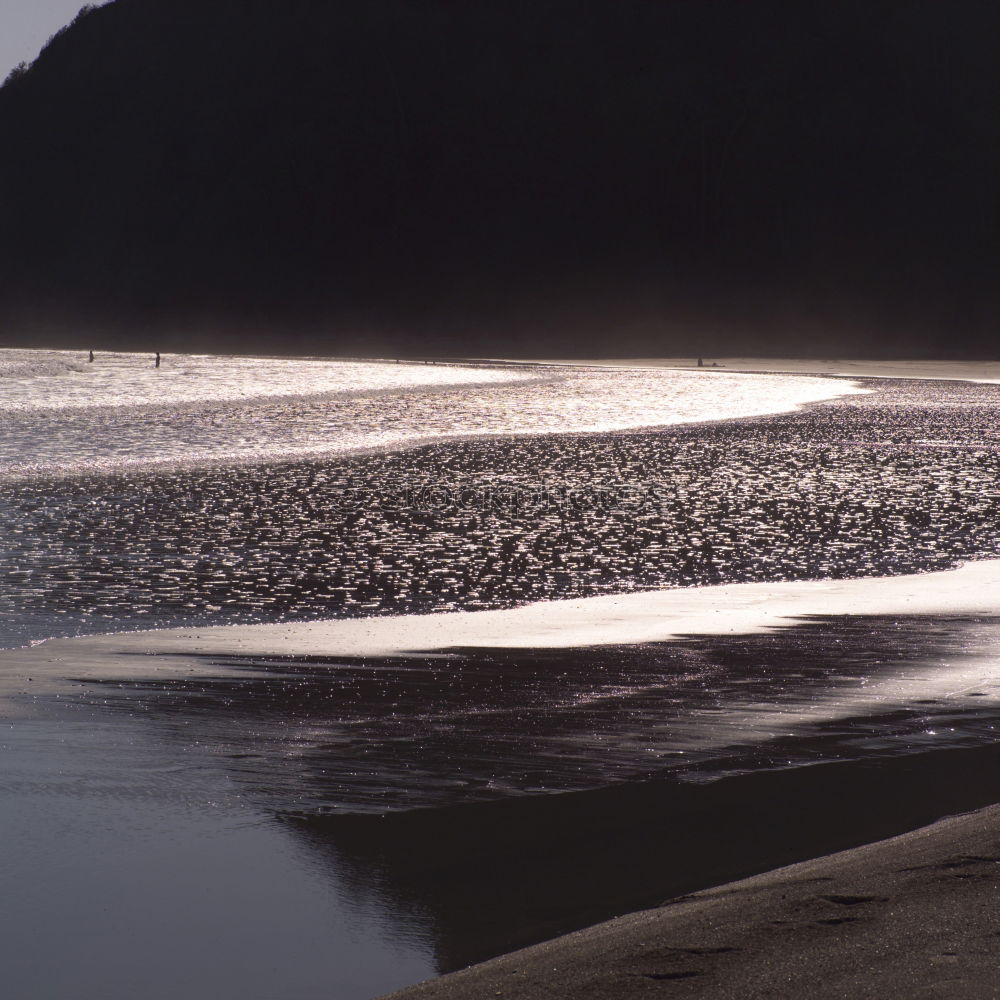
(485, 175)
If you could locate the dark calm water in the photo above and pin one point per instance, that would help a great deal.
(311, 828)
(338, 827)
(329, 736)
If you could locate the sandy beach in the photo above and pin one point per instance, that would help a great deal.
(911, 916)
(886, 734)
(621, 620)
(459, 728)
(367, 632)
(971, 371)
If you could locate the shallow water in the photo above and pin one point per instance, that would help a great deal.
(896, 482)
(324, 735)
(306, 828)
(37, 380)
(131, 873)
(309, 828)
(62, 415)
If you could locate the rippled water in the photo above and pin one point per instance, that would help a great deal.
(36, 380)
(233, 490)
(136, 495)
(897, 481)
(60, 414)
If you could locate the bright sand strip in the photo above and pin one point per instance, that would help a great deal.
(969, 371)
(913, 916)
(619, 619)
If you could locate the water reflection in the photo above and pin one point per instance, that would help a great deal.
(374, 735)
(55, 381)
(493, 877)
(896, 482)
(137, 872)
(680, 765)
(199, 411)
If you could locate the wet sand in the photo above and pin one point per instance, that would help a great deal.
(242, 784)
(500, 876)
(565, 786)
(973, 371)
(902, 480)
(913, 916)
(506, 771)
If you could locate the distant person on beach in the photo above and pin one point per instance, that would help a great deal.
(701, 363)
(157, 365)
(91, 358)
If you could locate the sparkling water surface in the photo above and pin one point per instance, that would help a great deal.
(57, 380)
(61, 415)
(215, 490)
(898, 481)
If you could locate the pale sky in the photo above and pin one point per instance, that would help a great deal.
(26, 25)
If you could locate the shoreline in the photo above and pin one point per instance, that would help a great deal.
(516, 870)
(626, 619)
(546, 864)
(423, 427)
(471, 736)
(985, 372)
(911, 915)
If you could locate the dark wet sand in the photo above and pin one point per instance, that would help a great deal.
(330, 734)
(484, 868)
(910, 917)
(901, 481)
(499, 876)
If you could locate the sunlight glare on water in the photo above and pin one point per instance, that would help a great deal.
(60, 414)
(58, 380)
